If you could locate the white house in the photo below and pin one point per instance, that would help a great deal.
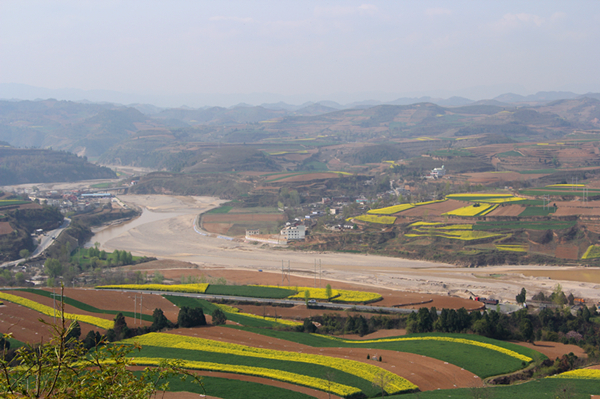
(294, 232)
(438, 172)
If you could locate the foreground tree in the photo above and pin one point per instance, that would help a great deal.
(63, 368)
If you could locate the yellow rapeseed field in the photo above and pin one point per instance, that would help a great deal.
(470, 210)
(584, 374)
(374, 219)
(48, 311)
(359, 369)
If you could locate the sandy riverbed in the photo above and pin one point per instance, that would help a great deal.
(174, 238)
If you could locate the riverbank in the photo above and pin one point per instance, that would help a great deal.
(167, 232)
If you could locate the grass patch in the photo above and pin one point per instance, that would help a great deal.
(84, 306)
(544, 388)
(221, 209)
(536, 171)
(249, 291)
(537, 211)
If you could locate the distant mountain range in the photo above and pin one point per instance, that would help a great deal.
(145, 103)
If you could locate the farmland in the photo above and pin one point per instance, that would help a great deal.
(265, 350)
(305, 367)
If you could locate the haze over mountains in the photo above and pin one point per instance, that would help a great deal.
(151, 104)
(183, 138)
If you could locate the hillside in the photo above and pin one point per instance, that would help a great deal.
(18, 166)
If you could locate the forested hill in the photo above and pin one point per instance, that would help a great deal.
(19, 166)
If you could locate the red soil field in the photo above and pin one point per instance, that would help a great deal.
(217, 228)
(417, 369)
(507, 210)
(5, 228)
(553, 349)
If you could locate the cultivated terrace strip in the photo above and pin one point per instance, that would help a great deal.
(359, 369)
(298, 379)
(581, 374)
(189, 288)
(446, 339)
(48, 311)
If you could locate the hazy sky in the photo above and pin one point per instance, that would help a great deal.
(320, 48)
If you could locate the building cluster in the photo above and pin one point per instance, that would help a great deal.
(72, 200)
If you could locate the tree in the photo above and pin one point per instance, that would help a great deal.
(191, 317)
(381, 381)
(526, 329)
(306, 297)
(53, 267)
(60, 368)
(521, 297)
(160, 321)
(24, 253)
(75, 331)
(218, 317)
(328, 292)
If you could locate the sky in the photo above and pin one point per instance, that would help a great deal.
(295, 51)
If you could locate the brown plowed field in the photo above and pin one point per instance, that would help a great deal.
(433, 209)
(507, 210)
(553, 349)
(417, 369)
(5, 228)
(221, 218)
(575, 211)
(217, 228)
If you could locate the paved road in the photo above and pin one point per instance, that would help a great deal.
(45, 242)
(326, 305)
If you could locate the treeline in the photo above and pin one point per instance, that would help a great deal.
(18, 166)
(550, 324)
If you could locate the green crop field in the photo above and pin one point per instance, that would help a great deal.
(226, 388)
(537, 171)
(249, 291)
(545, 388)
(83, 306)
(12, 202)
(478, 360)
(222, 209)
(537, 211)
(509, 154)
